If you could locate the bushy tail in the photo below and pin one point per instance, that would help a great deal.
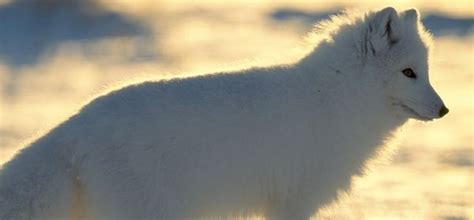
(36, 184)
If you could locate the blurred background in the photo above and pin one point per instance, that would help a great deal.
(55, 55)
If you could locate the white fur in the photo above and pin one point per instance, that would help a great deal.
(276, 141)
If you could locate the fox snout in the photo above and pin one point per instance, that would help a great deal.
(443, 110)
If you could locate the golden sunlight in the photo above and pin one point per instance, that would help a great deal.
(430, 174)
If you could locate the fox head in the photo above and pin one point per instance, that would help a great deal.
(397, 50)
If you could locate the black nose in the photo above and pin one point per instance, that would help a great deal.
(443, 111)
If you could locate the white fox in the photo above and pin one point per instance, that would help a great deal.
(277, 142)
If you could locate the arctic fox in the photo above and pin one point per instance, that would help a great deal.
(276, 142)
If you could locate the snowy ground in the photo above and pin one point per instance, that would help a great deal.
(56, 55)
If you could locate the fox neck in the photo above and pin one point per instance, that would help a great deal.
(335, 71)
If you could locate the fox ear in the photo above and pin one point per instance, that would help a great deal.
(411, 15)
(384, 29)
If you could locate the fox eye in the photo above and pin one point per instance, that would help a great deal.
(408, 72)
